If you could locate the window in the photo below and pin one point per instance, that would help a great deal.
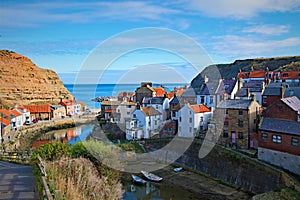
(134, 115)
(180, 119)
(226, 123)
(240, 112)
(225, 133)
(211, 99)
(240, 123)
(201, 128)
(128, 113)
(190, 120)
(190, 129)
(226, 86)
(226, 111)
(201, 119)
(276, 138)
(240, 135)
(170, 130)
(173, 114)
(202, 99)
(129, 106)
(264, 99)
(295, 142)
(155, 122)
(264, 136)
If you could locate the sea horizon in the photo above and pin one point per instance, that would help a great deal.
(86, 92)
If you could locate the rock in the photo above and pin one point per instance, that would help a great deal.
(22, 82)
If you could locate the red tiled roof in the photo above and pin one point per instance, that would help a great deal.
(170, 95)
(15, 113)
(6, 112)
(160, 92)
(150, 111)
(243, 75)
(180, 91)
(257, 74)
(38, 108)
(290, 75)
(199, 108)
(66, 102)
(4, 121)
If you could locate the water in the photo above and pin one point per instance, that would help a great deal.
(86, 92)
(70, 135)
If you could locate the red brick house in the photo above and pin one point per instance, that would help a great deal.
(285, 109)
(272, 94)
(278, 143)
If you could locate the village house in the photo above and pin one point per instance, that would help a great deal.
(226, 89)
(271, 94)
(144, 91)
(25, 114)
(161, 104)
(42, 112)
(278, 143)
(174, 107)
(109, 110)
(125, 109)
(160, 92)
(5, 128)
(147, 118)
(285, 109)
(247, 89)
(58, 111)
(207, 94)
(193, 119)
(71, 106)
(14, 117)
(239, 118)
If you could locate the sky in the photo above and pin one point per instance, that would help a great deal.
(147, 35)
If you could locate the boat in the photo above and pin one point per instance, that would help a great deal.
(137, 179)
(151, 177)
(177, 169)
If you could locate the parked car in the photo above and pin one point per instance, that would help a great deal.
(35, 120)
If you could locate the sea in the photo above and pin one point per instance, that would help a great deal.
(86, 92)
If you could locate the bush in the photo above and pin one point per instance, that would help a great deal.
(51, 151)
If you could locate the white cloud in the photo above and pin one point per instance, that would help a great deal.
(239, 9)
(30, 14)
(268, 29)
(250, 46)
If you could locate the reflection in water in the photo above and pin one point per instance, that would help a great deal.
(71, 135)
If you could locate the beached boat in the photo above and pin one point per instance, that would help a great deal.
(137, 179)
(151, 177)
(177, 169)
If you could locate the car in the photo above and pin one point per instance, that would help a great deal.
(35, 120)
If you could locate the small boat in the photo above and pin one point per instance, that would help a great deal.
(137, 179)
(151, 177)
(177, 169)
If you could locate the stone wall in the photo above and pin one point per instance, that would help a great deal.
(285, 160)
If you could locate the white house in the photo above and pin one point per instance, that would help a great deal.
(148, 118)
(134, 130)
(192, 119)
(160, 104)
(126, 109)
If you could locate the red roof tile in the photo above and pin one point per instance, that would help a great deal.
(4, 121)
(290, 75)
(257, 74)
(6, 112)
(160, 92)
(38, 108)
(199, 108)
(243, 75)
(15, 113)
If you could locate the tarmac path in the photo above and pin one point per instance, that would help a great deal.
(17, 182)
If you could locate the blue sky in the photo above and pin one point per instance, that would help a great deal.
(60, 35)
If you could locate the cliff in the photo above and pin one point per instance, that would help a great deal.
(22, 82)
(228, 71)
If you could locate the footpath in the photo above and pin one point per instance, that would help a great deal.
(17, 182)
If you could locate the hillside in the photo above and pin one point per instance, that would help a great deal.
(22, 82)
(228, 71)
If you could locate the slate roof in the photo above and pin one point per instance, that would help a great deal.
(235, 104)
(226, 86)
(150, 111)
(293, 102)
(280, 126)
(208, 88)
(175, 100)
(189, 92)
(272, 91)
(294, 91)
(153, 100)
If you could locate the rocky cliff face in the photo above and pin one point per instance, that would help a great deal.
(22, 82)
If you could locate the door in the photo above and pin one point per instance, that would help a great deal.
(233, 137)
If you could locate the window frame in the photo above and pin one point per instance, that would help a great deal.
(293, 143)
(277, 139)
